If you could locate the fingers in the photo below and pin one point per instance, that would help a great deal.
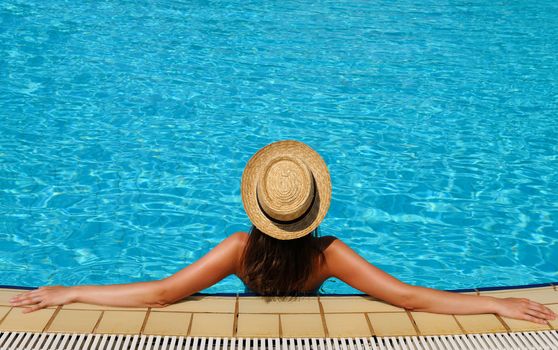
(525, 309)
(26, 301)
(534, 319)
(535, 312)
(28, 298)
(25, 295)
(541, 308)
(539, 316)
(540, 311)
(22, 301)
(34, 308)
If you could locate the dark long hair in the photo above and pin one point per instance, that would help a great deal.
(273, 267)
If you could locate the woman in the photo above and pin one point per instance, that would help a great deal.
(286, 191)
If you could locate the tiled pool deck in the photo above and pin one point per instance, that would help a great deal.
(254, 317)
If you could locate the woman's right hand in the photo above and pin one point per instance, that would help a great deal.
(43, 297)
(524, 309)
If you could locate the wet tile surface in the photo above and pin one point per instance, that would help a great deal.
(212, 325)
(75, 321)
(302, 325)
(262, 305)
(258, 325)
(434, 324)
(35, 321)
(121, 322)
(347, 325)
(168, 323)
(480, 323)
(388, 324)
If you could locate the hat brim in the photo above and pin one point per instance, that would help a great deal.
(315, 214)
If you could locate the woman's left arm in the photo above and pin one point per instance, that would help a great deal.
(344, 263)
(221, 261)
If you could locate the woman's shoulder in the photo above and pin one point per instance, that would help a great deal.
(326, 241)
(240, 238)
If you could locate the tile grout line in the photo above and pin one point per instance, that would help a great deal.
(413, 322)
(501, 320)
(322, 315)
(190, 325)
(51, 319)
(6, 315)
(373, 332)
(235, 317)
(98, 322)
(459, 325)
(144, 323)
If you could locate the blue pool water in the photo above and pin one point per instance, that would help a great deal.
(125, 127)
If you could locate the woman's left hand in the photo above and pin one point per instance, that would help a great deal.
(43, 297)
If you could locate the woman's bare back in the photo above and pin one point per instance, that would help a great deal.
(319, 272)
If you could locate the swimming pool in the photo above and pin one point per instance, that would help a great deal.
(125, 127)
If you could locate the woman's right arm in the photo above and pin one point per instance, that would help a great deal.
(345, 264)
(220, 262)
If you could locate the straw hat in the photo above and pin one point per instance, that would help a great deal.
(286, 189)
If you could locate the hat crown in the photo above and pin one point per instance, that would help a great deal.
(285, 188)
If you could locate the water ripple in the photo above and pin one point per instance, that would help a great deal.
(125, 127)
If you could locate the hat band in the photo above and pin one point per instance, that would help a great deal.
(293, 220)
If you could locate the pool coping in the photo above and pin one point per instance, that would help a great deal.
(245, 315)
(463, 290)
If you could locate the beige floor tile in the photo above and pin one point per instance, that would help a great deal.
(75, 321)
(522, 326)
(356, 304)
(553, 323)
(541, 295)
(31, 322)
(303, 305)
(257, 326)
(347, 325)
(168, 323)
(435, 324)
(486, 323)
(302, 325)
(212, 325)
(389, 324)
(121, 322)
(203, 304)
(83, 306)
